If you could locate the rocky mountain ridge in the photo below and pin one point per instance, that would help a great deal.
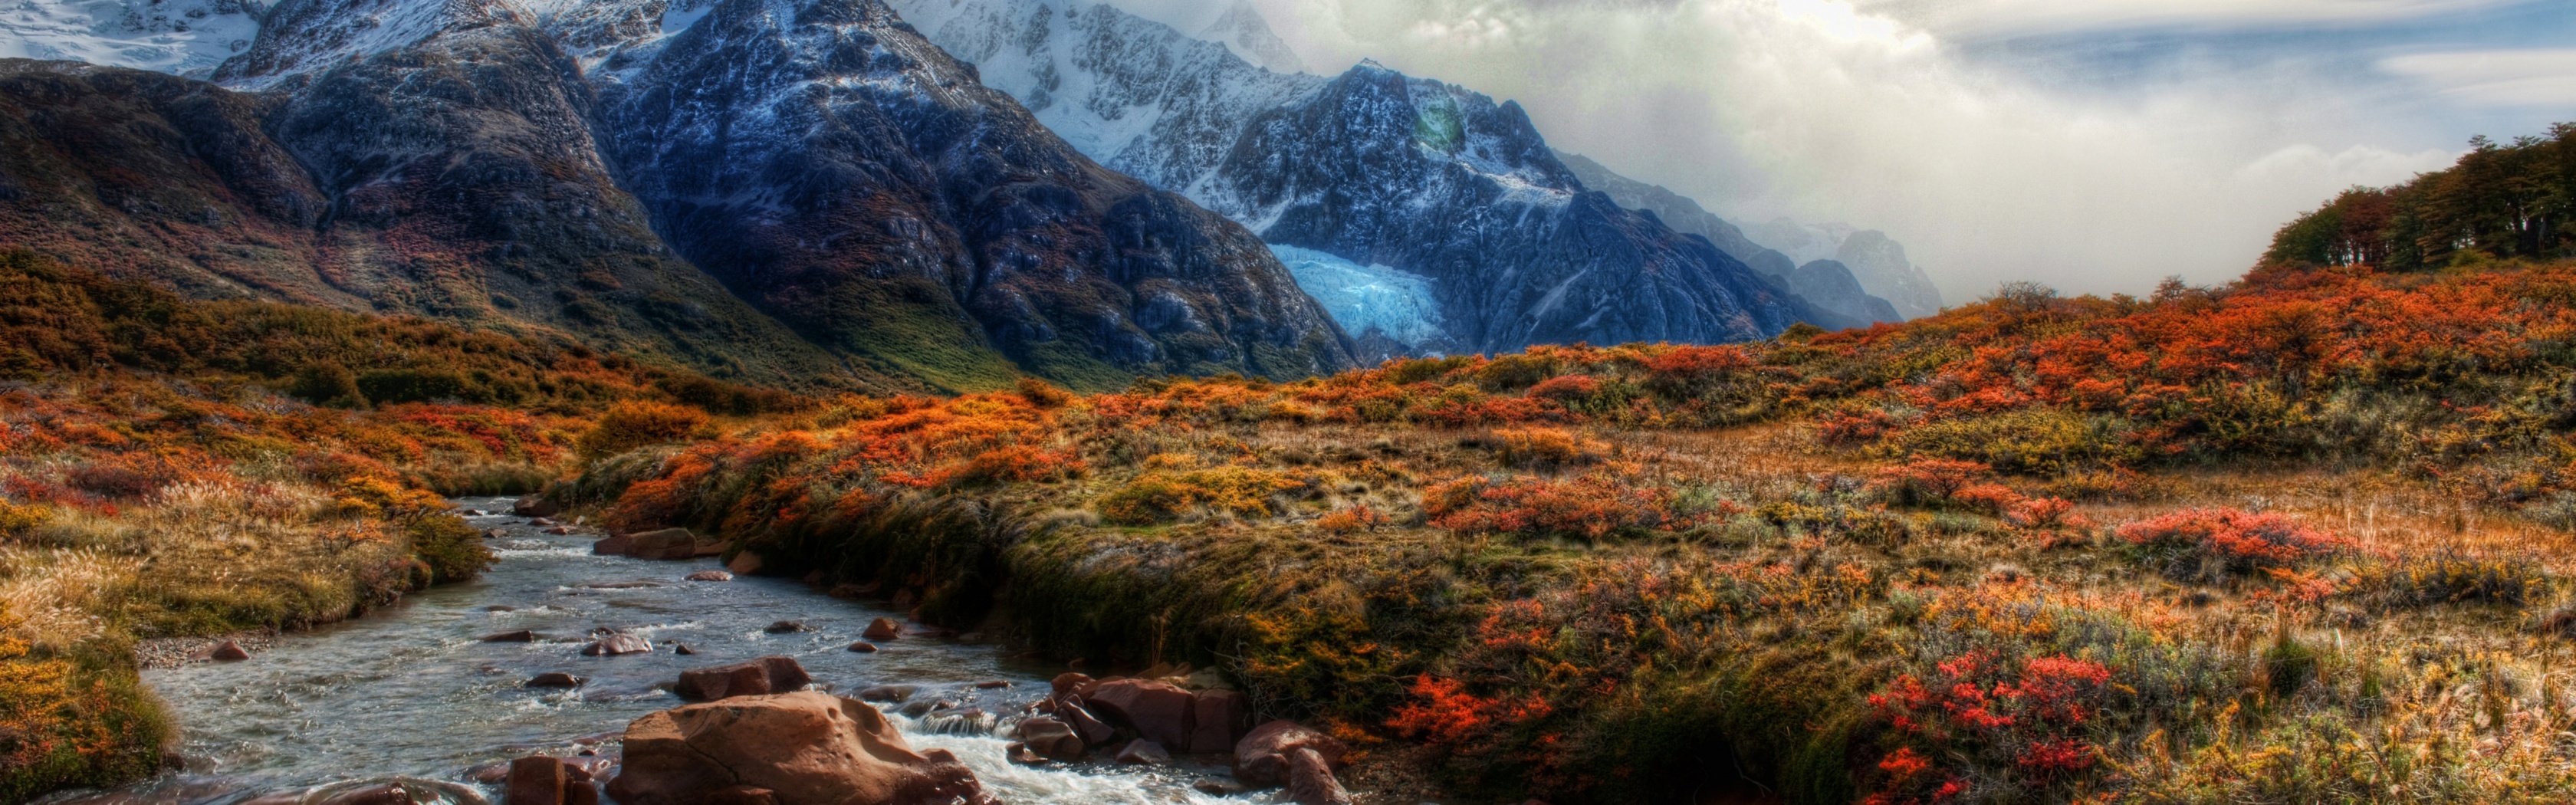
(795, 193)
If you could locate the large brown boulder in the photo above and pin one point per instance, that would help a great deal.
(613, 545)
(668, 543)
(1093, 731)
(1158, 711)
(1261, 758)
(1052, 737)
(1311, 780)
(1068, 683)
(806, 748)
(1217, 719)
(759, 677)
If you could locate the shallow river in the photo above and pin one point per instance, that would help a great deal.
(409, 692)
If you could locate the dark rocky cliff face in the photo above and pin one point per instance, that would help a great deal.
(466, 184)
(866, 215)
(144, 174)
(853, 179)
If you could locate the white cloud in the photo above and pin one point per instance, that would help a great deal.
(2005, 17)
(1827, 111)
(2496, 77)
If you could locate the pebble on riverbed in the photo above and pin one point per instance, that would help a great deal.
(786, 627)
(172, 652)
(553, 679)
(863, 647)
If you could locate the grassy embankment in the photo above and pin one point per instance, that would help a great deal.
(173, 468)
(2302, 539)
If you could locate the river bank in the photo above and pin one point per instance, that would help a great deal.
(413, 693)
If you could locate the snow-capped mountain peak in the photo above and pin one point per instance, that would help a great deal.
(1243, 30)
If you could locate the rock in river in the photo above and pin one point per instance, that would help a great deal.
(759, 677)
(807, 748)
(882, 629)
(1051, 737)
(668, 543)
(534, 506)
(1141, 752)
(613, 645)
(542, 780)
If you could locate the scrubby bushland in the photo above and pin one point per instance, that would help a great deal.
(1628, 607)
(58, 320)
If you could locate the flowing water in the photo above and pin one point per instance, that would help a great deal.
(410, 693)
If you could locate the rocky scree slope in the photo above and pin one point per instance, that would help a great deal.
(469, 159)
(1374, 167)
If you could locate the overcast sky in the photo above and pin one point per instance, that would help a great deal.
(2096, 145)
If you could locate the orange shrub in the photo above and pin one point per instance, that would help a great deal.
(634, 424)
(1545, 447)
(1351, 520)
(1591, 507)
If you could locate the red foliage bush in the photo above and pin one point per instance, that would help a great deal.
(1856, 426)
(2235, 540)
(1443, 712)
(1980, 707)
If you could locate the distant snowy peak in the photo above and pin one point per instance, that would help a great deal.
(1134, 94)
(187, 37)
(1244, 31)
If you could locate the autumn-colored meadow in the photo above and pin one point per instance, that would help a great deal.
(2300, 539)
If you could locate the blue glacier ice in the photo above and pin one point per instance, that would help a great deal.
(1363, 298)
